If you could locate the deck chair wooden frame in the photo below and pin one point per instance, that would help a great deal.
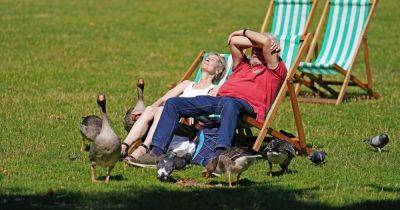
(309, 80)
(299, 143)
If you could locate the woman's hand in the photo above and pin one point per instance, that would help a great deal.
(214, 91)
(135, 115)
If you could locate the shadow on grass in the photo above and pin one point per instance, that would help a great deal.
(243, 197)
(349, 96)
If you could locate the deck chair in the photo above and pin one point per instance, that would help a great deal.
(290, 24)
(196, 64)
(348, 21)
(265, 127)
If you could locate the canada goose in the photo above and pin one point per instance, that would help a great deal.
(232, 160)
(140, 106)
(90, 127)
(105, 149)
(279, 152)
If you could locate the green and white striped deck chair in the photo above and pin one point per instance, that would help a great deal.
(345, 31)
(291, 21)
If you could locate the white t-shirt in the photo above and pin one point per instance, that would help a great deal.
(193, 92)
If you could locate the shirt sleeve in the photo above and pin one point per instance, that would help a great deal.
(280, 71)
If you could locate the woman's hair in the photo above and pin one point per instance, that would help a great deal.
(221, 68)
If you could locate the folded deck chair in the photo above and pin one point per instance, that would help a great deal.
(346, 28)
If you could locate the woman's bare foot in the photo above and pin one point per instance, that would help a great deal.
(138, 152)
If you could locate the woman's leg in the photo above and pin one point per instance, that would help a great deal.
(141, 150)
(140, 127)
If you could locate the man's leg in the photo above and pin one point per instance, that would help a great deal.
(230, 110)
(174, 109)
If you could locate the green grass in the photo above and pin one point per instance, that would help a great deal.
(57, 55)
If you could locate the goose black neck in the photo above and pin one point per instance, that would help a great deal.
(102, 105)
(139, 92)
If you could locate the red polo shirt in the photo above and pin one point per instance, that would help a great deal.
(257, 85)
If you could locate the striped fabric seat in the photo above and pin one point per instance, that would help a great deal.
(288, 25)
(346, 22)
(229, 63)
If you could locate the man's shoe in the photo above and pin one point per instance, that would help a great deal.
(148, 160)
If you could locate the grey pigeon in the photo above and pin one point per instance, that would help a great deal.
(378, 142)
(90, 127)
(170, 162)
(279, 152)
(317, 157)
(105, 150)
(233, 160)
(139, 107)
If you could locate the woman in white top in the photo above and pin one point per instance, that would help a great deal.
(212, 70)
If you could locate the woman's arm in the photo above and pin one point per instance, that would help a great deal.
(174, 92)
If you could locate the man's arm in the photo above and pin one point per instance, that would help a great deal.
(237, 43)
(267, 44)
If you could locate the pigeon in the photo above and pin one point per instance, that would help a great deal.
(105, 150)
(90, 127)
(279, 152)
(232, 160)
(378, 142)
(317, 157)
(170, 162)
(139, 107)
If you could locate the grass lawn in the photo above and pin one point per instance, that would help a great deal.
(55, 56)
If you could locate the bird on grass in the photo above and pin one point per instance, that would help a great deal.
(379, 141)
(105, 150)
(279, 152)
(317, 157)
(234, 160)
(133, 113)
(170, 162)
(90, 127)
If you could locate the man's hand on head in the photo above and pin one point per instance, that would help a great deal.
(275, 48)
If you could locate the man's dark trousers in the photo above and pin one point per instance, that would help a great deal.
(228, 108)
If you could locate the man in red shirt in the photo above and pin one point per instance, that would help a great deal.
(251, 89)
